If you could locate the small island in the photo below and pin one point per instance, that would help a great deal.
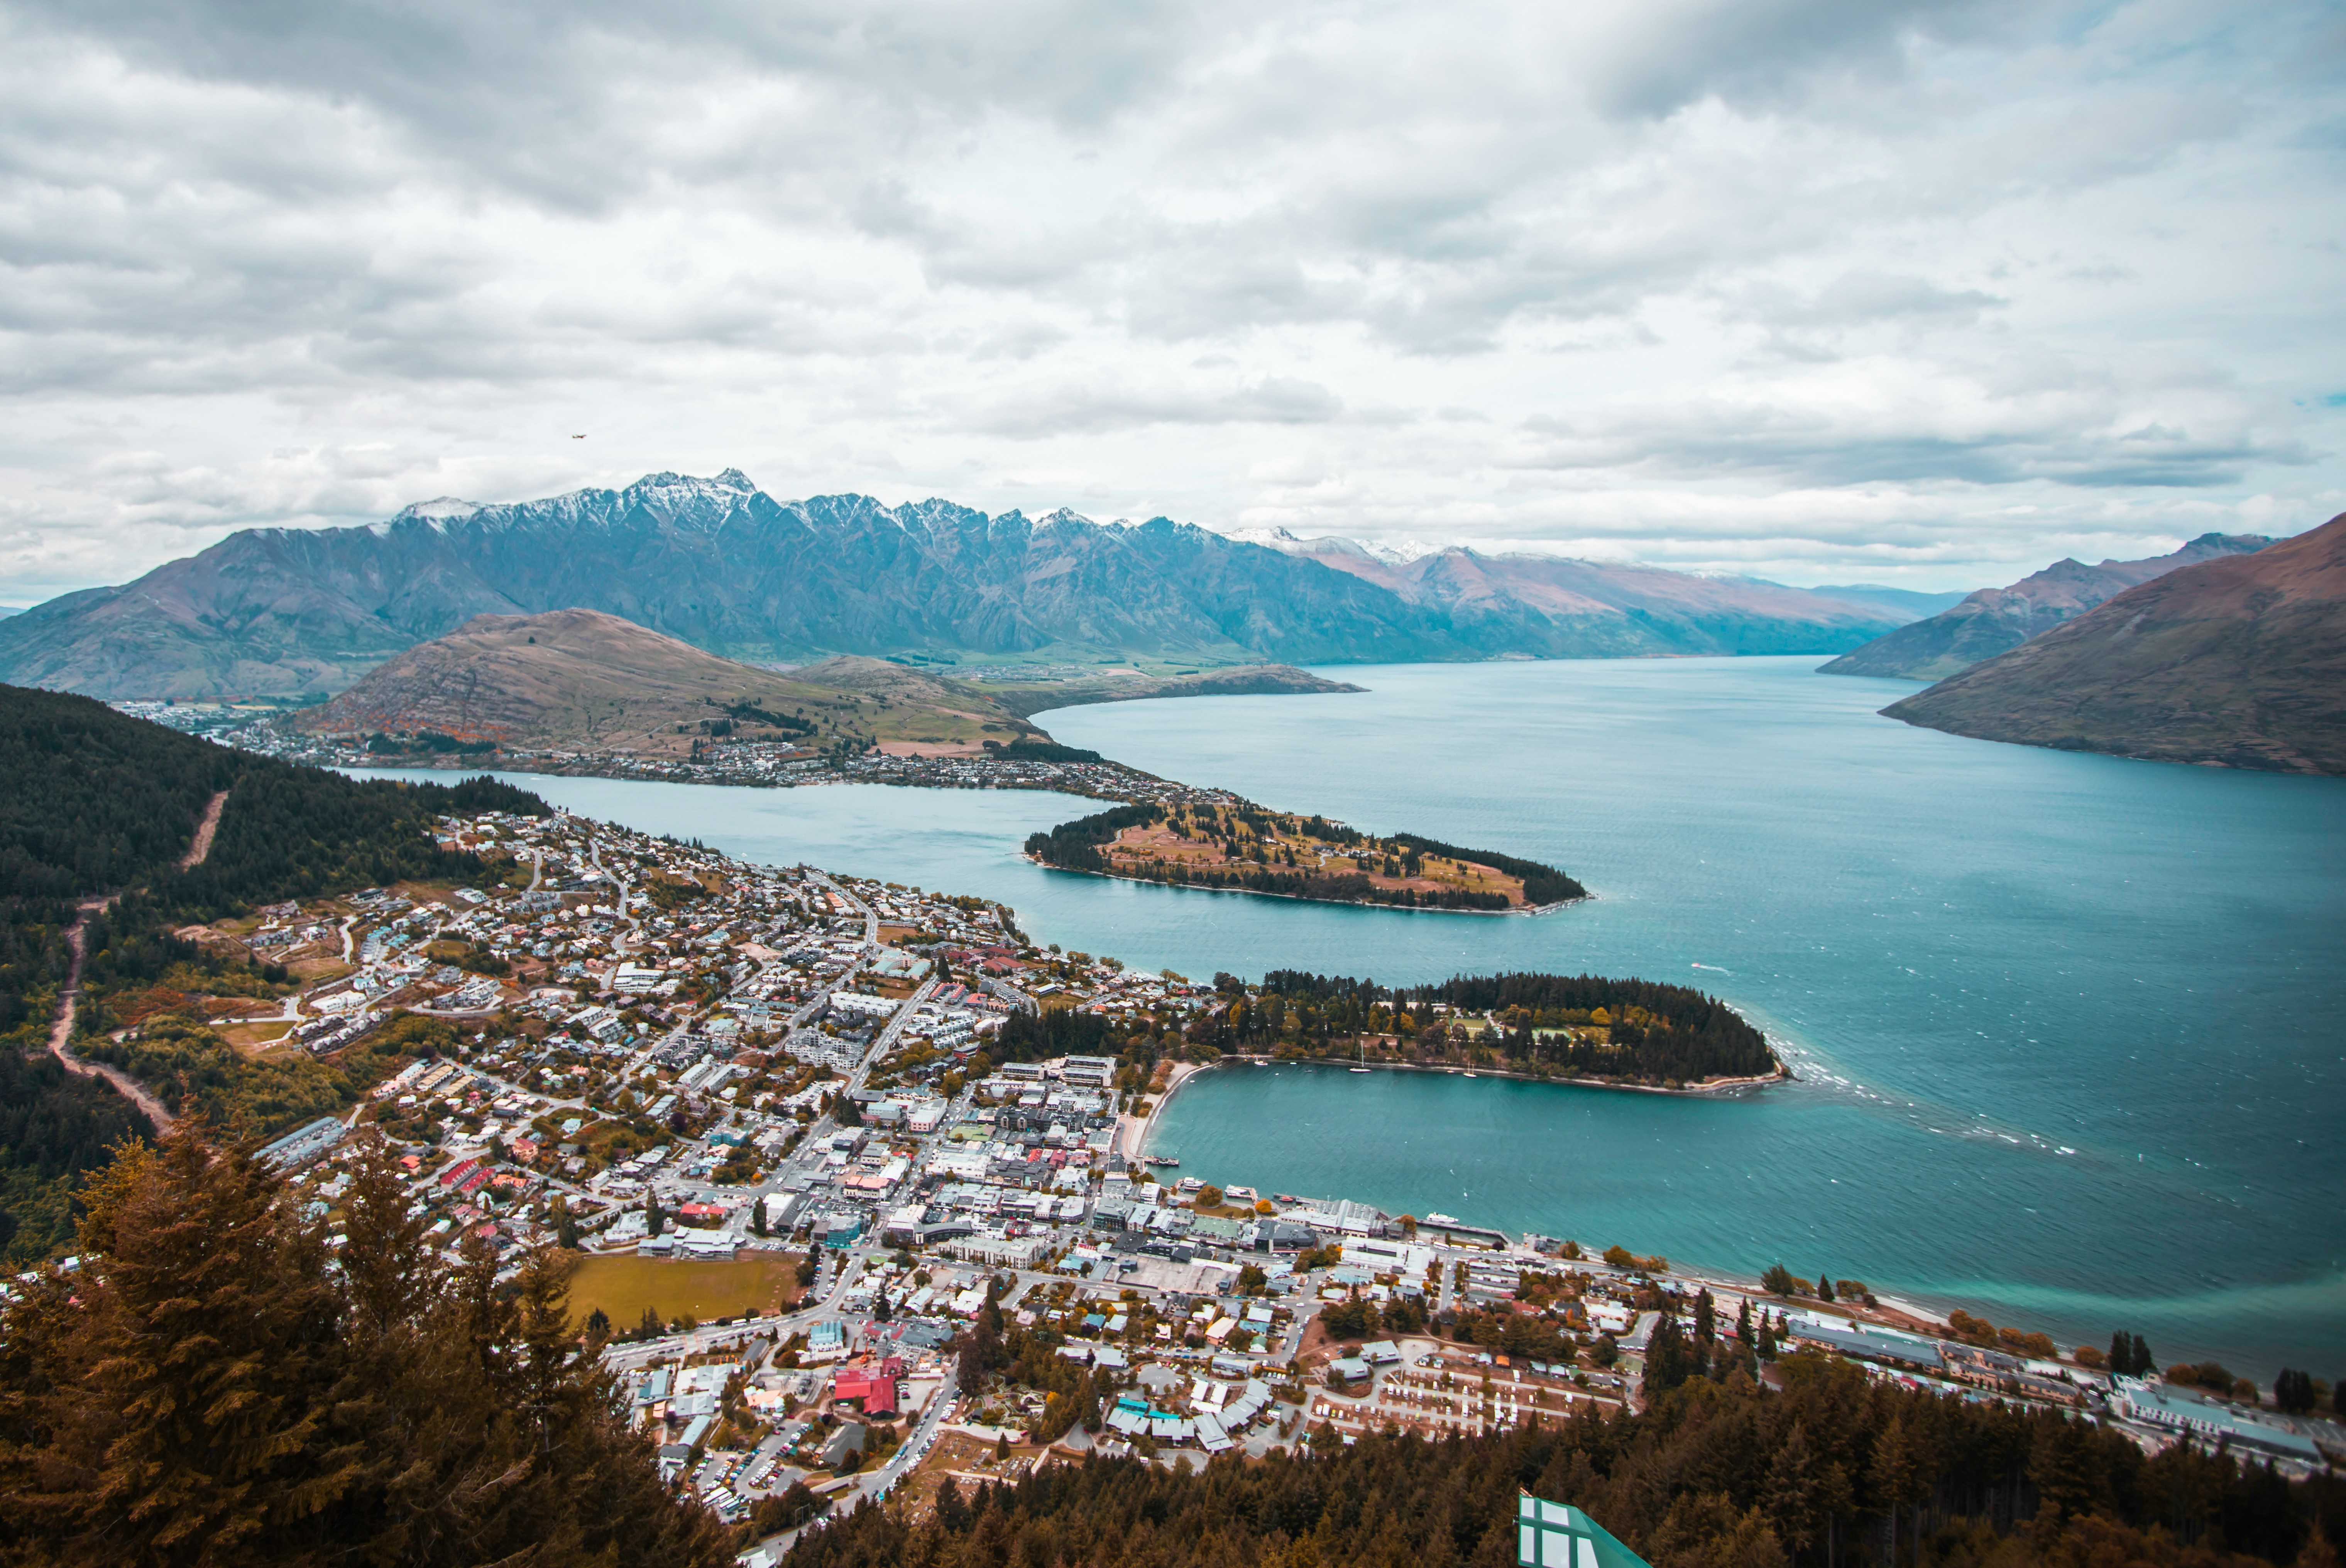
(1237, 846)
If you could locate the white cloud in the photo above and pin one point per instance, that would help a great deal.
(1938, 290)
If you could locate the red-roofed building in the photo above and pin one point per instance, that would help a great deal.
(874, 1385)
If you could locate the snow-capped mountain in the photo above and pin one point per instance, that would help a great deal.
(721, 564)
(1279, 539)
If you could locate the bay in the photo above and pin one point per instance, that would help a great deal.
(2070, 1029)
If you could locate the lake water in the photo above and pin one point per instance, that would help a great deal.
(2070, 1029)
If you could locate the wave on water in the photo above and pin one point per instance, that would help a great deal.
(1811, 1068)
(2324, 1294)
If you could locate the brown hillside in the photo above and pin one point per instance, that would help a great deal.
(582, 680)
(1993, 619)
(2238, 662)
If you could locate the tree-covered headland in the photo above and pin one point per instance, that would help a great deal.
(1585, 1027)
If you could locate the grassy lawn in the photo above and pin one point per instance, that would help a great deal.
(624, 1285)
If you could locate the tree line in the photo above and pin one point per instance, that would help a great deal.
(1714, 1474)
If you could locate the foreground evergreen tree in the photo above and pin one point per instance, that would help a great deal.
(214, 1386)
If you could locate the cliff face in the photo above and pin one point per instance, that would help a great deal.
(2238, 661)
(718, 563)
(1994, 620)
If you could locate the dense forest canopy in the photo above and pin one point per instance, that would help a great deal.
(1714, 1475)
(101, 805)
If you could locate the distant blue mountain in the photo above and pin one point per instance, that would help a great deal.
(720, 564)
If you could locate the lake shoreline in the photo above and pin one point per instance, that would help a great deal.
(1706, 1089)
(1182, 1073)
(1529, 910)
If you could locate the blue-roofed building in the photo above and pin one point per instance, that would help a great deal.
(298, 1147)
(2159, 1404)
(1894, 1348)
(1559, 1536)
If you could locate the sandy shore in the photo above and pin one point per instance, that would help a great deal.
(1132, 1133)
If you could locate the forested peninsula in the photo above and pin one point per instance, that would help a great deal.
(1243, 848)
(1587, 1029)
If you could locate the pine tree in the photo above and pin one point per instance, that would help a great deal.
(2142, 1363)
(1894, 1476)
(2121, 1356)
(212, 1387)
(1794, 1496)
(177, 1371)
(1824, 1289)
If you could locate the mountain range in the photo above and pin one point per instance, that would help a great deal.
(2238, 661)
(1991, 620)
(718, 563)
(1550, 606)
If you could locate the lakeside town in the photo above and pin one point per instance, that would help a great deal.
(760, 764)
(842, 1237)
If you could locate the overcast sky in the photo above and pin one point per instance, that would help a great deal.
(1827, 290)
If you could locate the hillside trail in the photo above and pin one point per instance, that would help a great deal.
(201, 848)
(61, 1030)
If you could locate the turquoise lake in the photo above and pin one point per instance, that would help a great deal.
(2070, 1031)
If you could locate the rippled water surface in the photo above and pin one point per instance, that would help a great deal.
(2071, 1029)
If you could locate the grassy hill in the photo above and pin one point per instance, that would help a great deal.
(582, 680)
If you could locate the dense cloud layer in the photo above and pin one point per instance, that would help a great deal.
(1819, 288)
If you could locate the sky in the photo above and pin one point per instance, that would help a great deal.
(1926, 294)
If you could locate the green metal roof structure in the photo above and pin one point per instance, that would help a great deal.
(1559, 1536)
